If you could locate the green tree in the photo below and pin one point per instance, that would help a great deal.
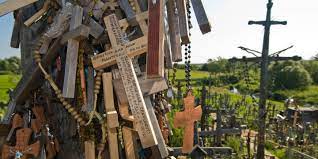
(292, 77)
(312, 68)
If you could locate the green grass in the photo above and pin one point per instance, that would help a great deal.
(7, 82)
(180, 74)
(308, 95)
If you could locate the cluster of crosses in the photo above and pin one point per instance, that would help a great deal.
(94, 77)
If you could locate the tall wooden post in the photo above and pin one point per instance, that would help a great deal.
(264, 77)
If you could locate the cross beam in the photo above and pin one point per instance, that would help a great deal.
(264, 77)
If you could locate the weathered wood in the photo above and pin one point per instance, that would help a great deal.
(201, 16)
(131, 85)
(11, 5)
(183, 21)
(96, 30)
(130, 143)
(161, 142)
(186, 119)
(108, 58)
(168, 60)
(90, 88)
(141, 18)
(155, 54)
(38, 14)
(78, 34)
(147, 86)
(174, 31)
(15, 37)
(129, 12)
(112, 116)
(143, 6)
(72, 55)
(31, 80)
(89, 149)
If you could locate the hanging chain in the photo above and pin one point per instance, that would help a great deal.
(187, 50)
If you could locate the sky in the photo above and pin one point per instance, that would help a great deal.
(229, 20)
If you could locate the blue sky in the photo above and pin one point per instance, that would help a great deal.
(229, 29)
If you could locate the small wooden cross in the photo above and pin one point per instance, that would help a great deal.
(186, 119)
(22, 148)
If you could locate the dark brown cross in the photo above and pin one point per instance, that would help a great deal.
(186, 119)
(22, 149)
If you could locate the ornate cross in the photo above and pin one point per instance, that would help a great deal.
(186, 119)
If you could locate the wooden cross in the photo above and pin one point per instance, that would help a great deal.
(89, 149)
(201, 16)
(264, 77)
(136, 101)
(72, 55)
(155, 55)
(130, 142)
(38, 14)
(174, 31)
(11, 5)
(22, 148)
(112, 116)
(186, 119)
(183, 21)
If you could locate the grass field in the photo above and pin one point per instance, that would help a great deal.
(7, 82)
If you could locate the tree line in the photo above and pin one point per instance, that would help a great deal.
(11, 65)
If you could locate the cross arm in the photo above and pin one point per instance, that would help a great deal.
(251, 22)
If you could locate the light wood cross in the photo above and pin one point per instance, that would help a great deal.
(11, 5)
(22, 149)
(112, 116)
(72, 55)
(186, 119)
(120, 54)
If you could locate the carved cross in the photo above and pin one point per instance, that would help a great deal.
(22, 148)
(186, 119)
(72, 55)
(120, 54)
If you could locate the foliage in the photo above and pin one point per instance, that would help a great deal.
(219, 65)
(312, 68)
(11, 64)
(235, 144)
(290, 75)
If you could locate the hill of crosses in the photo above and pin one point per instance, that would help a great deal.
(95, 81)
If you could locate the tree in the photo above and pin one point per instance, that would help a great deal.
(292, 77)
(312, 68)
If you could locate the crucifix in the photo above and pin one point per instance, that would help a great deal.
(22, 148)
(264, 78)
(72, 55)
(120, 50)
(186, 119)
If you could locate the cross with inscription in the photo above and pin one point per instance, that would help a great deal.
(120, 55)
(186, 119)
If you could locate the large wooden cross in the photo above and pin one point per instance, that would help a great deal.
(72, 55)
(120, 54)
(186, 119)
(22, 148)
